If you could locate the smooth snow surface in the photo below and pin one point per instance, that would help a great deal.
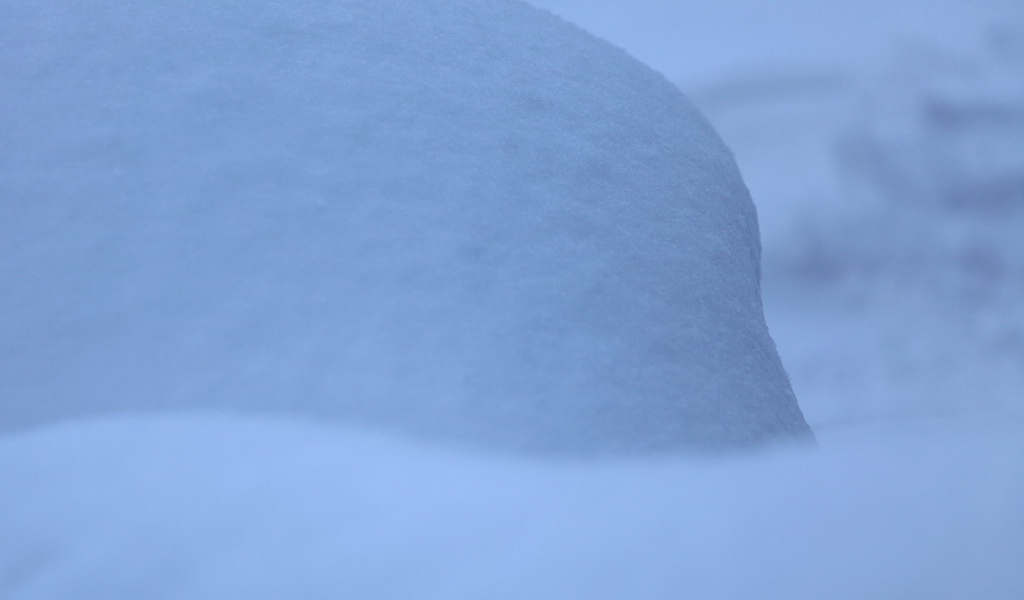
(196, 509)
(464, 218)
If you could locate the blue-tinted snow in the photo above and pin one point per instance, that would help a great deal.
(883, 142)
(228, 508)
(890, 309)
(465, 218)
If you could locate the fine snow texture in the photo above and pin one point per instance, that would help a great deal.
(196, 509)
(461, 218)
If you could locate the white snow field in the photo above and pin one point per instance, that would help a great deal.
(465, 218)
(882, 142)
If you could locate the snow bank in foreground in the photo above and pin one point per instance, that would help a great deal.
(221, 508)
(463, 217)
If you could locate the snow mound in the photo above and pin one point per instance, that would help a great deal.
(458, 218)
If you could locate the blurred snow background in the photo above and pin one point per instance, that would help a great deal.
(883, 141)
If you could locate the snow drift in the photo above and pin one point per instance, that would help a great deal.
(265, 508)
(459, 218)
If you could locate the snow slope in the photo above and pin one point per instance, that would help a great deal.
(464, 218)
(207, 508)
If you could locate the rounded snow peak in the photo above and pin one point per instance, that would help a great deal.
(460, 218)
